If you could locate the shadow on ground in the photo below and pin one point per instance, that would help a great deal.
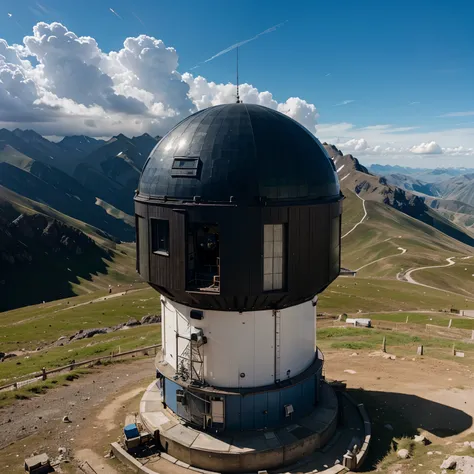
(398, 415)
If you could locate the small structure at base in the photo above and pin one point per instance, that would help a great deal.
(347, 272)
(362, 322)
(135, 436)
(38, 464)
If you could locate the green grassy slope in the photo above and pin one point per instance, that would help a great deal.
(459, 276)
(385, 232)
(40, 325)
(349, 295)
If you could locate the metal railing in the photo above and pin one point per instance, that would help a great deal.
(40, 376)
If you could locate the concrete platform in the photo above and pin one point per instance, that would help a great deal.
(240, 451)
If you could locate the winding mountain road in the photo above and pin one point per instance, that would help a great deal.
(403, 251)
(360, 222)
(409, 278)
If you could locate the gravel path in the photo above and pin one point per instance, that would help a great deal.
(362, 220)
(43, 415)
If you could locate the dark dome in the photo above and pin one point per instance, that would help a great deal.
(240, 152)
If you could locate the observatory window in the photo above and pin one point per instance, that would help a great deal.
(185, 167)
(273, 257)
(203, 259)
(160, 236)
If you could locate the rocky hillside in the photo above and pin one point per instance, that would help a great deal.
(356, 178)
(413, 184)
(450, 191)
(460, 188)
(426, 175)
(40, 256)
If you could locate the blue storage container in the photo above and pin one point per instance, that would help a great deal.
(131, 431)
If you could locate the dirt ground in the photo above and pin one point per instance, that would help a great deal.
(95, 403)
(444, 382)
(405, 398)
(409, 396)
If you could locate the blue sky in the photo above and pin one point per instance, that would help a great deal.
(403, 64)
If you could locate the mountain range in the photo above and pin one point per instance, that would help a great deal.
(450, 191)
(66, 208)
(367, 185)
(90, 180)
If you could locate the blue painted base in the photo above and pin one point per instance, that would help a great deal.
(245, 410)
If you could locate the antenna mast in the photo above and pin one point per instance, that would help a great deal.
(238, 96)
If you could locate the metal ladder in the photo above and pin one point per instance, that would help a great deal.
(277, 315)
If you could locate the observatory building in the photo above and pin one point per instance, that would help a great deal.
(238, 218)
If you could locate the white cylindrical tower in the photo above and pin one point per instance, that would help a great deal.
(243, 349)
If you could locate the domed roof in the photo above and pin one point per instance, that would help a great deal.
(241, 153)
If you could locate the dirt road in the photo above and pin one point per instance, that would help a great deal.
(360, 222)
(36, 424)
(409, 278)
(403, 251)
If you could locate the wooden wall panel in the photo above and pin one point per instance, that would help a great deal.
(313, 253)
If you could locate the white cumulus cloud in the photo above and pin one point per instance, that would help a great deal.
(459, 151)
(428, 148)
(207, 93)
(60, 83)
(355, 145)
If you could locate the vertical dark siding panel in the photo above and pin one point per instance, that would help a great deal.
(169, 271)
(143, 248)
(178, 247)
(293, 252)
(255, 252)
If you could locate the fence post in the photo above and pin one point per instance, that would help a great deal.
(450, 322)
(43, 370)
(384, 344)
(454, 350)
(420, 350)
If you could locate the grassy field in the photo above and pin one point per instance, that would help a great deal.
(442, 319)
(39, 326)
(35, 326)
(351, 294)
(398, 343)
(100, 345)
